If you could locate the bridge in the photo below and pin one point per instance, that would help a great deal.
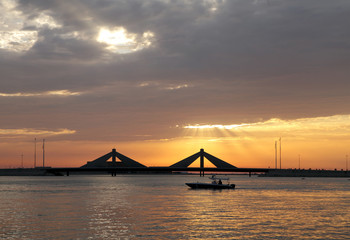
(115, 162)
(114, 170)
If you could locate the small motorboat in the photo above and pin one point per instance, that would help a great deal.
(210, 186)
(215, 184)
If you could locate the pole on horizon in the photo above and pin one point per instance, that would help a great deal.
(275, 154)
(346, 158)
(43, 153)
(34, 152)
(280, 152)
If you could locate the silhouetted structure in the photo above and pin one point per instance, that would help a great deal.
(201, 154)
(103, 161)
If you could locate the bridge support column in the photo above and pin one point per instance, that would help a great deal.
(202, 158)
(201, 173)
(114, 154)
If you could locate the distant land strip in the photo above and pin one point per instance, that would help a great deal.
(262, 172)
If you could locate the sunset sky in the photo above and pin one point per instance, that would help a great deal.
(160, 79)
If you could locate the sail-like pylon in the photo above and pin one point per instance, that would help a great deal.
(201, 154)
(128, 161)
(187, 161)
(103, 161)
(218, 162)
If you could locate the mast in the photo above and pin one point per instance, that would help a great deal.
(34, 152)
(43, 153)
(275, 154)
(280, 153)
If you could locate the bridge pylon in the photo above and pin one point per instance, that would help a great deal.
(124, 161)
(201, 155)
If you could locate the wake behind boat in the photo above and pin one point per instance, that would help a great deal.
(215, 184)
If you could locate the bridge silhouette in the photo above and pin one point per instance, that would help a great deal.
(185, 163)
(115, 162)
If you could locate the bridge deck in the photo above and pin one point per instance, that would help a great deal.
(157, 169)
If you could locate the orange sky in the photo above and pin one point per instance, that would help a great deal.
(321, 143)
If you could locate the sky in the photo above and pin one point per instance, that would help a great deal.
(158, 80)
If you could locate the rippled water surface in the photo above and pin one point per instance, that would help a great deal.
(162, 207)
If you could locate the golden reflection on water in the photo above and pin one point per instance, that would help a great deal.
(162, 207)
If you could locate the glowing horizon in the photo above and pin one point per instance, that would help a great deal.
(249, 145)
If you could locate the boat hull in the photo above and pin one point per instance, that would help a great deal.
(210, 186)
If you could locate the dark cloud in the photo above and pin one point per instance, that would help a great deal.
(241, 60)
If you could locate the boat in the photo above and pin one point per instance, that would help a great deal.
(215, 184)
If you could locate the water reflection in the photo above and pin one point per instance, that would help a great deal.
(162, 207)
(110, 211)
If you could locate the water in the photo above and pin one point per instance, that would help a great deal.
(162, 207)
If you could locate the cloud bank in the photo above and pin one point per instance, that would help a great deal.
(146, 66)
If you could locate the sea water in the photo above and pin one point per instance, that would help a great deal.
(163, 207)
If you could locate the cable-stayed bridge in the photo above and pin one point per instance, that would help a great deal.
(115, 162)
